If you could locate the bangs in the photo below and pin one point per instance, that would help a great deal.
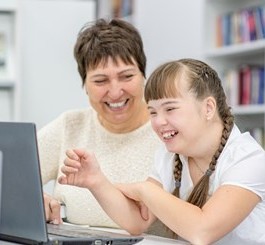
(163, 82)
(97, 58)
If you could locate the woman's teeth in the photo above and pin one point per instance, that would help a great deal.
(117, 105)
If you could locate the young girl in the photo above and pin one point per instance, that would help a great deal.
(208, 181)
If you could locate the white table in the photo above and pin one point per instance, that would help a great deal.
(148, 239)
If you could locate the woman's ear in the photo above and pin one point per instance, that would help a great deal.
(210, 107)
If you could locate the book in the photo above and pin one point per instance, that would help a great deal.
(231, 86)
(255, 82)
(259, 23)
(245, 85)
(252, 25)
(261, 86)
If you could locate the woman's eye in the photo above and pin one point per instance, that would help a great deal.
(100, 81)
(127, 77)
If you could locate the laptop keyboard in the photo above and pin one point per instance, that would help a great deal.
(75, 231)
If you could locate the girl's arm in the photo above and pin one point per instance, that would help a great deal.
(222, 213)
(81, 169)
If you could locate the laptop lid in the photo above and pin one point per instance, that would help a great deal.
(22, 200)
(23, 214)
(1, 162)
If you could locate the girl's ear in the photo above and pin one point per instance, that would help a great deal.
(210, 107)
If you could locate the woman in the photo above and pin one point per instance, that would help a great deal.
(208, 182)
(111, 62)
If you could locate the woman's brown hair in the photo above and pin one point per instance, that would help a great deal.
(97, 41)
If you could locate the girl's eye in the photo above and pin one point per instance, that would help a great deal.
(152, 113)
(170, 109)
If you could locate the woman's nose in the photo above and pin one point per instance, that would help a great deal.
(115, 90)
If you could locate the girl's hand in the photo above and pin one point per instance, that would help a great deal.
(132, 191)
(80, 169)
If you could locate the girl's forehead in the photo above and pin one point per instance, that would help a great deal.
(162, 102)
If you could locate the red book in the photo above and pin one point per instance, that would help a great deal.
(252, 25)
(245, 85)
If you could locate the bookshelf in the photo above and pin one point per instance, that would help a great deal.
(234, 43)
(123, 9)
(9, 75)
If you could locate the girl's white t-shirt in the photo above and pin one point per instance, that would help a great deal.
(242, 163)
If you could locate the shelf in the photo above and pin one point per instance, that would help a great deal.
(9, 92)
(248, 109)
(237, 49)
(229, 60)
(8, 6)
(6, 85)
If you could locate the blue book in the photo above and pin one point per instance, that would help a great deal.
(226, 29)
(261, 86)
(260, 21)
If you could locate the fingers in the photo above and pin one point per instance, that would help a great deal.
(46, 206)
(70, 167)
(52, 210)
(62, 180)
(80, 168)
(71, 163)
(55, 212)
(143, 211)
(75, 158)
(73, 154)
(67, 179)
(77, 154)
(142, 207)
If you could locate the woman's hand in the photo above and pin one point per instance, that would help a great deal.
(80, 169)
(52, 209)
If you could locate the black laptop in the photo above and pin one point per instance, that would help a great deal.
(22, 208)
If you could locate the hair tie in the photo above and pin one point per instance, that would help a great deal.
(208, 172)
(177, 184)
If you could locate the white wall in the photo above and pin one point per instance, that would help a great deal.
(50, 82)
(170, 29)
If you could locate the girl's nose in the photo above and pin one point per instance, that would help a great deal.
(160, 119)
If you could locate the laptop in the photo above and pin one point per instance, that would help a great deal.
(22, 206)
(1, 162)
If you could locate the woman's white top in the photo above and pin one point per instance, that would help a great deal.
(123, 158)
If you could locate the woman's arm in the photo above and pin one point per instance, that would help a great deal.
(81, 169)
(49, 143)
(223, 212)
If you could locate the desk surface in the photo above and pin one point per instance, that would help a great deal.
(149, 239)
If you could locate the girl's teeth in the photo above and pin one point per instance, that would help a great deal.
(168, 135)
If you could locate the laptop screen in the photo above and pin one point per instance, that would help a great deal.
(1, 162)
(21, 196)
